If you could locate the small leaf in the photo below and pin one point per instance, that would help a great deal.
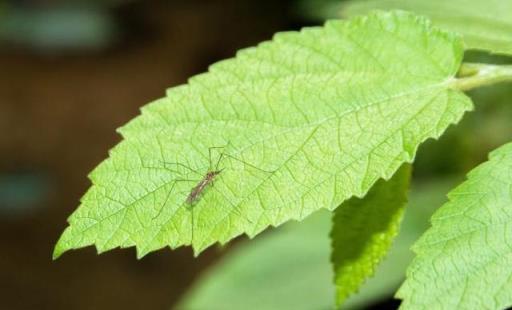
(299, 124)
(485, 24)
(363, 231)
(463, 260)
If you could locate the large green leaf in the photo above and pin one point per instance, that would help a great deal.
(300, 123)
(464, 260)
(288, 268)
(363, 231)
(485, 24)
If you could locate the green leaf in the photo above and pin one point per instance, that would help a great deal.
(485, 24)
(304, 122)
(288, 268)
(363, 232)
(463, 260)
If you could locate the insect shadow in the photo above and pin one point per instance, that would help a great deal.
(204, 182)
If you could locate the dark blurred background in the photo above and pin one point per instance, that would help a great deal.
(70, 74)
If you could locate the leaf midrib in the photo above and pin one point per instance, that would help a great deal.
(449, 82)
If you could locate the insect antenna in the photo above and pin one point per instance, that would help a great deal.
(168, 196)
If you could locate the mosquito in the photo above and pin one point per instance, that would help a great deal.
(207, 180)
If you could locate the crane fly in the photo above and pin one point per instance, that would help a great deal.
(207, 180)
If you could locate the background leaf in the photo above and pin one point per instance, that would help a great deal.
(485, 24)
(463, 261)
(288, 268)
(305, 122)
(363, 232)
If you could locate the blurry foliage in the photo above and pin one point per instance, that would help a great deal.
(22, 192)
(317, 10)
(58, 27)
(484, 24)
(289, 268)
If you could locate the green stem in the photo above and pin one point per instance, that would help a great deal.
(474, 75)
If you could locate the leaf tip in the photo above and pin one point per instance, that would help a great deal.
(58, 250)
(199, 248)
(140, 253)
(64, 244)
(197, 251)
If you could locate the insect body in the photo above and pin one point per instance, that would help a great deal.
(208, 179)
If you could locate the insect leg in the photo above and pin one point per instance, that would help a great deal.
(220, 157)
(235, 208)
(248, 164)
(191, 225)
(182, 165)
(168, 195)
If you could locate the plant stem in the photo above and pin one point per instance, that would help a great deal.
(474, 75)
